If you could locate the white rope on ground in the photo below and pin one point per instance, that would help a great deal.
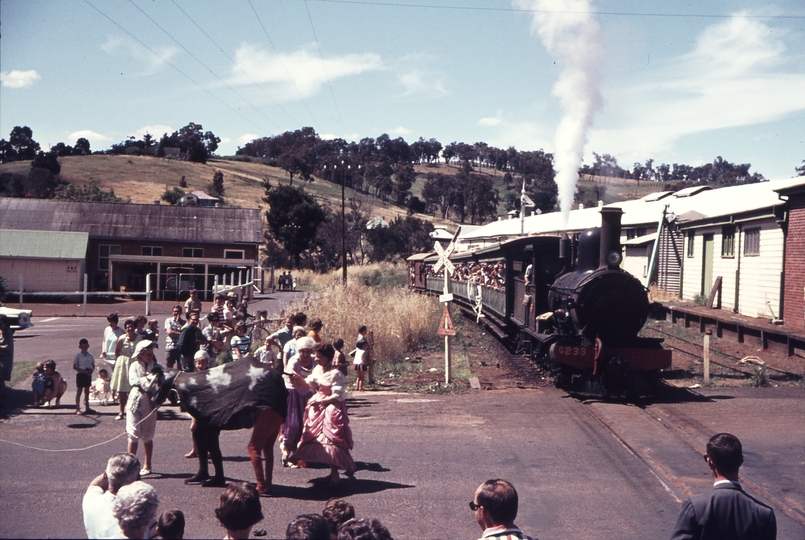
(86, 447)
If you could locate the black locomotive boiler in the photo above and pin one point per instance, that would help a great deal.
(589, 337)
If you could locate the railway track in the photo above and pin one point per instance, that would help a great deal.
(661, 445)
(695, 349)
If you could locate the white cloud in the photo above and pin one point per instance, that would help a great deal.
(89, 135)
(417, 81)
(19, 79)
(299, 74)
(156, 131)
(149, 62)
(354, 136)
(733, 77)
(401, 131)
(492, 121)
(245, 138)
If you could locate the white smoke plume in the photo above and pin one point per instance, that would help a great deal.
(571, 35)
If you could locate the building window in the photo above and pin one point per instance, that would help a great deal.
(691, 237)
(234, 254)
(635, 233)
(752, 242)
(193, 252)
(152, 251)
(728, 241)
(104, 250)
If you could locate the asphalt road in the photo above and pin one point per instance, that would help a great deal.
(582, 470)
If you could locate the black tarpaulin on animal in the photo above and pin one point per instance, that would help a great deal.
(231, 396)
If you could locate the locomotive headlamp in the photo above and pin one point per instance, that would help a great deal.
(614, 259)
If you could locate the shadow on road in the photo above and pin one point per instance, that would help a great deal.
(318, 490)
(664, 394)
(358, 403)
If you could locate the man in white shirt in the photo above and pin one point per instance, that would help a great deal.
(173, 328)
(99, 500)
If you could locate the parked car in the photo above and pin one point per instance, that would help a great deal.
(17, 318)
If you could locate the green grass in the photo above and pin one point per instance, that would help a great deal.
(21, 371)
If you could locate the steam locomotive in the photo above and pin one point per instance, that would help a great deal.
(566, 302)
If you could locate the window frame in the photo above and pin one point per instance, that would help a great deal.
(754, 244)
(241, 252)
(195, 252)
(151, 250)
(691, 244)
(728, 241)
(103, 260)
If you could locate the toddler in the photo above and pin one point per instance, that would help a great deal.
(151, 331)
(359, 363)
(101, 388)
(38, 385)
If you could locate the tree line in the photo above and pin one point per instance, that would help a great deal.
(719, 172)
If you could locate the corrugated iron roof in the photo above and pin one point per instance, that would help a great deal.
(157, 222)
(43, 244)
(709, 203)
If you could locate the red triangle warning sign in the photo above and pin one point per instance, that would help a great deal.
(446, 327)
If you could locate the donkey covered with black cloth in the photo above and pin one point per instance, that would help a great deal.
(227, 397)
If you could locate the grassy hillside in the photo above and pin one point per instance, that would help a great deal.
(143, 179)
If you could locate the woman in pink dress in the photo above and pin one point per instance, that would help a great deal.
(327, 437)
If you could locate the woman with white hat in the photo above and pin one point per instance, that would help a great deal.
(145, 375)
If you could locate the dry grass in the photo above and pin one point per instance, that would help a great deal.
(400, 319)
(143, 179)
(655, 294)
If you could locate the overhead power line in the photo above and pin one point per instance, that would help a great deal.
(323, 65)
(279, 58)
(188, 51)
(274, 101)
(188, 77)
(525, 10)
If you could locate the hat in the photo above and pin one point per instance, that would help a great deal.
(305, 343)
(201, 354)
(141, 346)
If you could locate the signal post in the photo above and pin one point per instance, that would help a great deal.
(446, 327)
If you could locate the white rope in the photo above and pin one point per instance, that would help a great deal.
(91, 446)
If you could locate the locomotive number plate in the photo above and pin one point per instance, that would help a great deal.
(572, 355)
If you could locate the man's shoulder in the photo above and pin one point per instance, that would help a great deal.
(506, 534)
(95, 495)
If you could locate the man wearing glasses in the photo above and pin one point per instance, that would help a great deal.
(495, 507)
(173, 328)
(726, 511)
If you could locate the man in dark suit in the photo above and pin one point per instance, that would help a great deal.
(726, 512)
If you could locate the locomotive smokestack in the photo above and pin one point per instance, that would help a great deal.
(565, 253)
(610, 250)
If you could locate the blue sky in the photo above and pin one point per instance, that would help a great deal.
(678, 82)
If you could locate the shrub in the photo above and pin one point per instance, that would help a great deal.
(173, 196)
(400, 319)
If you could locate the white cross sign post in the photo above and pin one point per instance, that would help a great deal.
(446, 325)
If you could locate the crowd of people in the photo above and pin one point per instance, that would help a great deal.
(117, 504)
(309, 417)
(286, 282)
(492, 275)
